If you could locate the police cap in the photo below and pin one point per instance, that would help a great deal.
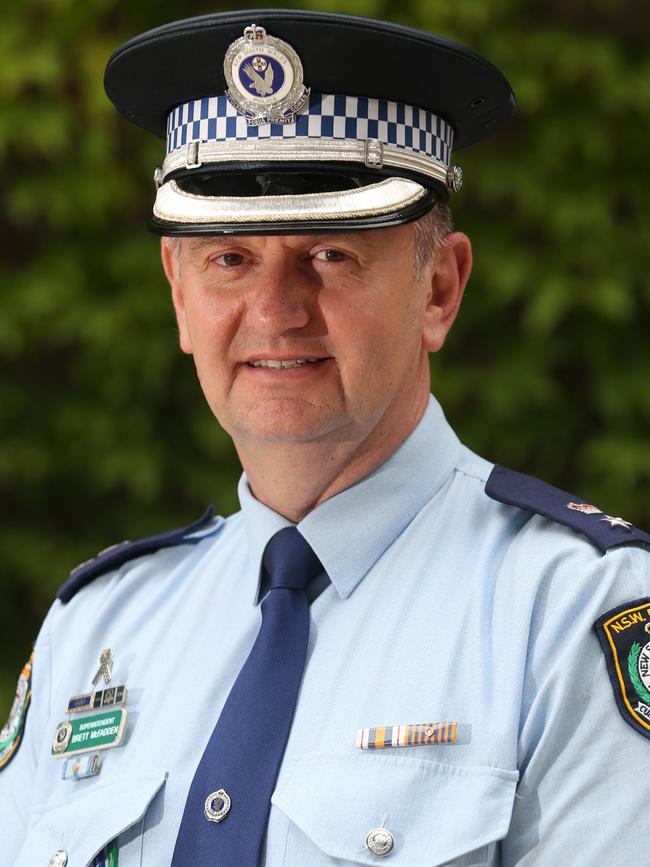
(285, 121)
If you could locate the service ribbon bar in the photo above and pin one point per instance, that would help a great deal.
(419, 734)
(113, 695)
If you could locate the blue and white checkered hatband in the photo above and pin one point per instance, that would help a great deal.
(332, 128)
(325, 116)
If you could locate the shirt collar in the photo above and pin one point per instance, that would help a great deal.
(260, 523)
(350, 531)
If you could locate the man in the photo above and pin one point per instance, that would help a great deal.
(394, 649)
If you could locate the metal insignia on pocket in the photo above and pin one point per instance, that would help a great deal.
(82, 767)
(105, 669)
(102, 727)
(97, 732)
(101, 698)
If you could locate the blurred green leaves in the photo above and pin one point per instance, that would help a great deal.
(104, 429)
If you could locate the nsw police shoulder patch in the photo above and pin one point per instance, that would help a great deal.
(12, 732)
(624, 635)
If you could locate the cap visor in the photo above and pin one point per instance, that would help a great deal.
(388, 202)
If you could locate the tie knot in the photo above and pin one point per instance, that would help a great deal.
(290, 561)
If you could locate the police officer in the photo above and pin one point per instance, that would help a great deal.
(395, 649)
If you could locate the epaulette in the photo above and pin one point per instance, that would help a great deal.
(526, 492)
(116, 555)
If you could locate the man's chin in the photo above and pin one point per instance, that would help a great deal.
(284, 420)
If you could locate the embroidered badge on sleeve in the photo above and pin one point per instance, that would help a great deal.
(624, 635)
(12, 731)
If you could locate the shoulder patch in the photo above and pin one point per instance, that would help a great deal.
(11, 734)
(526, 492)
(117, 555)
(624, 635)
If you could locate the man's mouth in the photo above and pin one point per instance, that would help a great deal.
(283, 364)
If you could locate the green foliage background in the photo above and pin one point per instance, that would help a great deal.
(104, 431)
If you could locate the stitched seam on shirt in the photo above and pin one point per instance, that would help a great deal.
(285, 848)
(481, 479)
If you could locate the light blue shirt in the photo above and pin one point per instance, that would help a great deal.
(444, 605)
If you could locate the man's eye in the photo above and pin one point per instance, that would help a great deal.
(229, 260)
(330, 255)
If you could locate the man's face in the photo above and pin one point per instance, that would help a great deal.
(303, 337)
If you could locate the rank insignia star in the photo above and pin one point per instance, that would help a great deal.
(617, 522)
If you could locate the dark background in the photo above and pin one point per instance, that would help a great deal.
(105, 434)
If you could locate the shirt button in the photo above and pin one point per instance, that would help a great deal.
(59, 859)
(380, 842)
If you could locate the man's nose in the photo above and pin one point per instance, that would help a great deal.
(283, 298)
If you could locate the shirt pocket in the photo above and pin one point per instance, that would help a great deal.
(87, 820)
(437, 813)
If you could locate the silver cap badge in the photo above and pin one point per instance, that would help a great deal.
(264, 77)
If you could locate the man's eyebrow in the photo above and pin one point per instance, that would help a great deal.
(338, 237)
(198, 243)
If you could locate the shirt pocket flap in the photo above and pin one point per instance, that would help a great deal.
(88, 819)
(436, 812)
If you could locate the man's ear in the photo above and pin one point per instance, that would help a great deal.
(170, 255)
(450, 273)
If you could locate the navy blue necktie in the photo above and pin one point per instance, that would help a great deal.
(227, 808)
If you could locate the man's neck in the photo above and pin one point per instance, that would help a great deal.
(294, 478)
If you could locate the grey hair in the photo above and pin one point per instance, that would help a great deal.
(173, 242)
(430, 233)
